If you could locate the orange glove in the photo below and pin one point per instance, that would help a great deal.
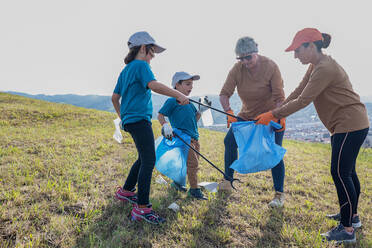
(230, 119)
(265, 118)
(282, 122)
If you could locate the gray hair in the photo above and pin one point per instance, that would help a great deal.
(245, 45)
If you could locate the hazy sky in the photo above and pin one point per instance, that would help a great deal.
(60, 47)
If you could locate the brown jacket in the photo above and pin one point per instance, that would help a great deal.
(260, 92)
(329, 87)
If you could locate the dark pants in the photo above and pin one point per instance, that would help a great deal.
(231, 154)
(141, 170)
(345, 149)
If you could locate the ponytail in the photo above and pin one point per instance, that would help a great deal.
(323, 43)
(134, 51)
(326, 40)
(132, 54)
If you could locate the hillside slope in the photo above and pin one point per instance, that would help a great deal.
(59, 168)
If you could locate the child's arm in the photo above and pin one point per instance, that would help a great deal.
(115, 101)
(164, 90)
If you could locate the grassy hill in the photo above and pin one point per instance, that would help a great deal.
(60, 166)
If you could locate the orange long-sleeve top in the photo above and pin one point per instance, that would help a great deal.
(328, 86)
(259, 92)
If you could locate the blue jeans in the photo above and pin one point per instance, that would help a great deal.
(141, 171)
(231, 154)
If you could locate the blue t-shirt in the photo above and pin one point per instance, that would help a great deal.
(136, 103)
(182, 117)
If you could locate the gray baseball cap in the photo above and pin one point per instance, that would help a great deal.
(181, 75)
(143, 38)
(245, 45)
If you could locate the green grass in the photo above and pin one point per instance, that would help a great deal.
(59, 168)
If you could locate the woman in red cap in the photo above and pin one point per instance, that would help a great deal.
(327, 85)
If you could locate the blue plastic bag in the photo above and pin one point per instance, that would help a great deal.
(171, 157)
(256, 146)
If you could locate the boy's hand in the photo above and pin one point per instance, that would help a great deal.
(205, 102)
(167, 131)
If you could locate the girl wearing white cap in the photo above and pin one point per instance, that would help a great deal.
(327, 85)
(135, 111)
(260, 87)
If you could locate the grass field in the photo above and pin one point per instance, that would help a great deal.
(60, 166)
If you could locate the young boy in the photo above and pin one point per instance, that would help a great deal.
(184, 118)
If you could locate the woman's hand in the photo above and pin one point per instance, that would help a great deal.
(265, 118)
(282, 123)
(230, 119)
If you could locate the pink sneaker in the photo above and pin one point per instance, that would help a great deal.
(146, 214)
(126, 196)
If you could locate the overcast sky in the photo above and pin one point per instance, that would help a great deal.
(60, 47)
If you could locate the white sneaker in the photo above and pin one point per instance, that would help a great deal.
(225, 186)
(278, 200)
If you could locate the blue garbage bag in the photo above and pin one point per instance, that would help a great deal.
(256, 146)
(171, 157)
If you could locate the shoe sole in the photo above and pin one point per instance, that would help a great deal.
(348, 241)
(124, 199)
(138, 217)
(357, 225)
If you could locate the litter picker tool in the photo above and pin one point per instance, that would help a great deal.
(223, 112)
(206, 105)
(231, 179)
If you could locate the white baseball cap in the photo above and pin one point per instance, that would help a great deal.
(181, 75)
(143, 38)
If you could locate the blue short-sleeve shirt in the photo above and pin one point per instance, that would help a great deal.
(182, 117)
(136, 103)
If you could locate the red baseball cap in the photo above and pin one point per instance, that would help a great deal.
(303, 36)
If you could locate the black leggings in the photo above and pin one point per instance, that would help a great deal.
(141, 170)
(345, 149)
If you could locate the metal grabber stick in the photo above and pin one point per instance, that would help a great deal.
(223, 112)
(231, 179)
(205, 105)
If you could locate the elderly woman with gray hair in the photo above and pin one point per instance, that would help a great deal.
(260, 87)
